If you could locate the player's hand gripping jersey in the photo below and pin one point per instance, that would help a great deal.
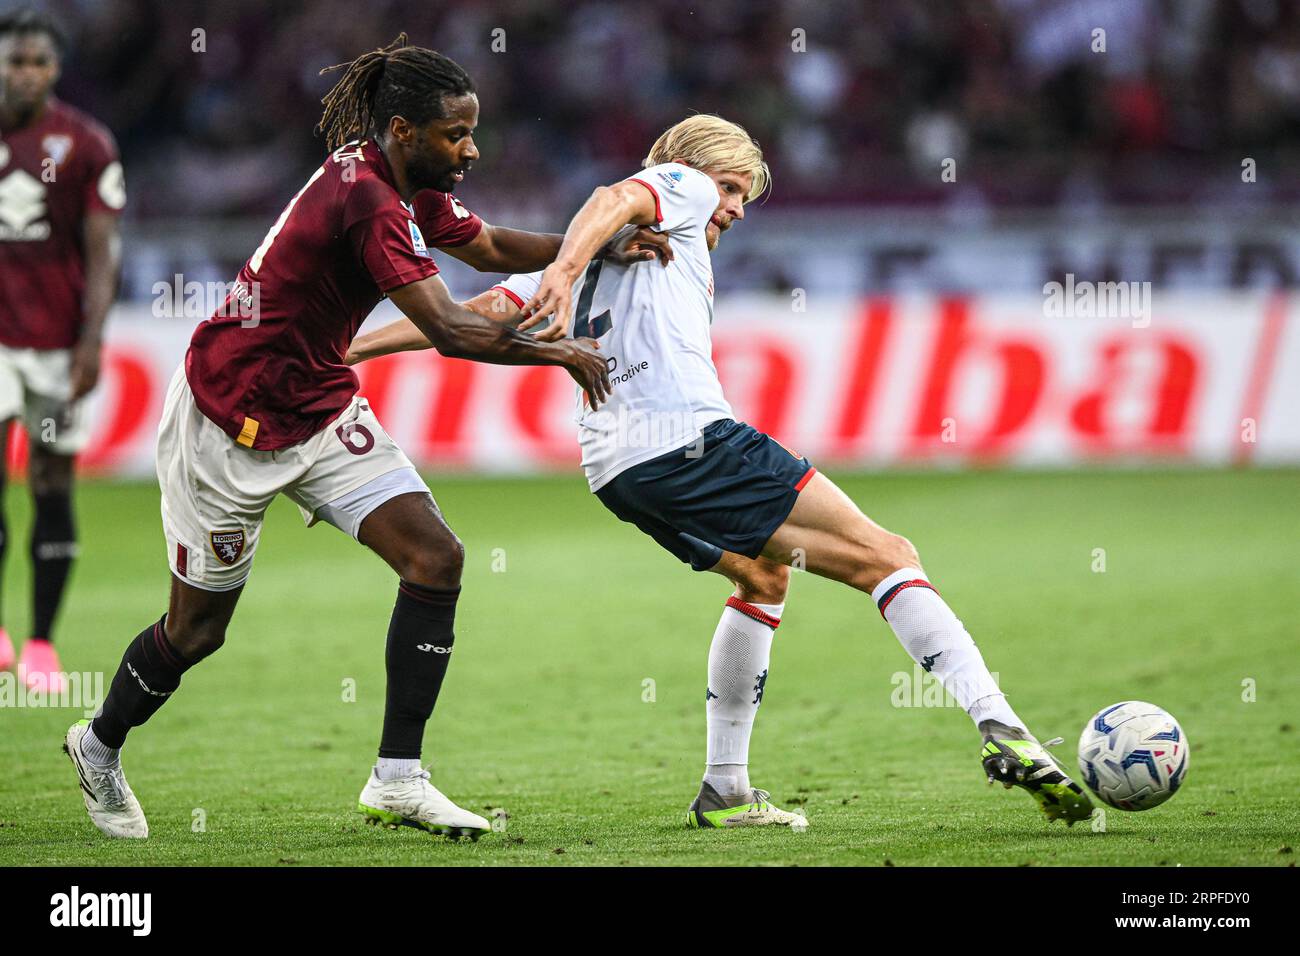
(653, 322)
(268, 367)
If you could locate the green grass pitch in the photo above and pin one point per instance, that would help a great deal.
(565, 616)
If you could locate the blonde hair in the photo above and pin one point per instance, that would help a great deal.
(710, 143)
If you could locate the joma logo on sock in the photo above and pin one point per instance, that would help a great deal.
(103, 909)
(433, 647)
(143, 686)
(927, 661)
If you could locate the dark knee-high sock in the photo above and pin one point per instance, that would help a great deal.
(150, 672)
(419, 649)
(54, 546)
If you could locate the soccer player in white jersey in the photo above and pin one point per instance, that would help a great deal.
(666, 454)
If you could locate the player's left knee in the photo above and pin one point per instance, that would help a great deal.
(433, 560)
(880, 556)
(902, 553)
(196, 638)
(50, 474)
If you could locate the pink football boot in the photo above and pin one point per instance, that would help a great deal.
(39, 668)
(6, 651)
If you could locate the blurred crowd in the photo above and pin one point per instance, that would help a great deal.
(855, 101)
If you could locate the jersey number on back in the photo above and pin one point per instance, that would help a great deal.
(255, 263)
(584, 326)
(344, 155)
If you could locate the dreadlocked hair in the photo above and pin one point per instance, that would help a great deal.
(396, 80)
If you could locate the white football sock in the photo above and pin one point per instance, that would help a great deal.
(937, 640)
(738, 661)
(98, 754)
(390, 768)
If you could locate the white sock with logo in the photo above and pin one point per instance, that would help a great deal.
(738, 662)
(931, 633)
(97, 753)
(390, 768)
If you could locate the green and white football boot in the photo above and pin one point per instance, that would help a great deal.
(752, 809)
(412, 801)
(1013, 758)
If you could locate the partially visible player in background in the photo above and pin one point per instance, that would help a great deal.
(61, 189)
(667, 455)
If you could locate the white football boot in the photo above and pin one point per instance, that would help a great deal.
(412, 801)
(109, 800)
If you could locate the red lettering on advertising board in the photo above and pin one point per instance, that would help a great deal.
(1142, 399)
(861, 377)
(958, 341)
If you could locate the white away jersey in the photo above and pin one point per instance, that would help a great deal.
(653, 323)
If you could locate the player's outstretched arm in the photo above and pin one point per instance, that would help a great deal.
(405, 336)
(459, 333)
(498, 249)
(609, 209)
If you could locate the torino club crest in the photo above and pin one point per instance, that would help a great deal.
(227, 545)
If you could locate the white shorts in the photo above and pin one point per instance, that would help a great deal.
(215, 492)
(34, 387)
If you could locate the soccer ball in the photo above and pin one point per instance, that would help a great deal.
(1133, 755)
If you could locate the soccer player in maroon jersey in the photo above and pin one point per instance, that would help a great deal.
(61, 190)
(265, 404)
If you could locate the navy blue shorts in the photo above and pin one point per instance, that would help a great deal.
(729, 491)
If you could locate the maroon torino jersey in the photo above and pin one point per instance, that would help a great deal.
(271, 374)
(53, 172)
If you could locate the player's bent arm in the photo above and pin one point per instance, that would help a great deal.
(494, 304)
(400, 336)
(103, 244)
(459, 333)
(405, 336)
(498, 249)
(609, 209)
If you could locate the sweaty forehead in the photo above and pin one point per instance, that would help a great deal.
(459, 110)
